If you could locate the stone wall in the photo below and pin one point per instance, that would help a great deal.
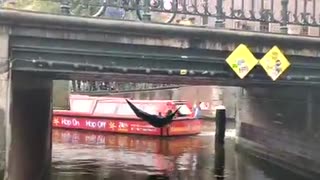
(61, 94)
(4, 94)
(281, 124)
(3, 117)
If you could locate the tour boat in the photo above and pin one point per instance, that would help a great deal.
(112, 114)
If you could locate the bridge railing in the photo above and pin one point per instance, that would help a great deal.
(81, 86)
(276, 16)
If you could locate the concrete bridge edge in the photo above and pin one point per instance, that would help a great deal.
(289, 142)
(4, 94)
(25, 121)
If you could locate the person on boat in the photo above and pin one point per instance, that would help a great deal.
(154, 120)
(169, 112)
(197, 111)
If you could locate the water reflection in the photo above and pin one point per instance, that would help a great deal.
(81, 155)
(158, 177)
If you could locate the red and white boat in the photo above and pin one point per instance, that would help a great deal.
(109, 114)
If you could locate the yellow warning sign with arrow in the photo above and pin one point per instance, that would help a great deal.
(274, 63)
(242, 61)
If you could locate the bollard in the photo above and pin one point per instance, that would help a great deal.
(220, 125)
(219, 161)
(219, 142)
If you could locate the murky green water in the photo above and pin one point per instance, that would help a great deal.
(84, 155)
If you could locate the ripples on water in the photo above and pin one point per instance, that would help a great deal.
(84, 155)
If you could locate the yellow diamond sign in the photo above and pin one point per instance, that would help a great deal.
(242, 61)
(274, 63)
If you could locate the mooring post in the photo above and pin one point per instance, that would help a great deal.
(219, 161)
(220, 125)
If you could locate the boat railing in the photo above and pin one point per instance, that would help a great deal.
(71, 114)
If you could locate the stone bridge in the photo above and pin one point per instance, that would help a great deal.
(61, 47)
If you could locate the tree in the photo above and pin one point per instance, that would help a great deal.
(85, 7)
(34, 5)
(77, 7)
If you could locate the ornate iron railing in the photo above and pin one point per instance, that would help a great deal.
(282, 12)
(214, 13)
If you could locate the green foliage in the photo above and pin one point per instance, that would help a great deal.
(85, 7)
(35, 5)
(78, 7)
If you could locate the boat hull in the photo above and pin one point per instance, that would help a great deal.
(125, 125)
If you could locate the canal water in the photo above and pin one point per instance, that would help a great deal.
(81, 155)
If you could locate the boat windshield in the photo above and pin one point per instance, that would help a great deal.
(124, 109)
(150, 108)
(106, 108)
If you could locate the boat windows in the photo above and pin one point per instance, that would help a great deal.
(106, 108)
(80, 105)
(150, 108)
(124, 109)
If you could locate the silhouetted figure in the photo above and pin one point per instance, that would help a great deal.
(154, 120)
(169, 112)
